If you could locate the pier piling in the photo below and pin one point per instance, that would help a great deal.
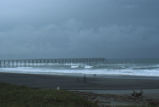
(40, 62)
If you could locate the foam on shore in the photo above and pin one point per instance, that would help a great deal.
(87, 71)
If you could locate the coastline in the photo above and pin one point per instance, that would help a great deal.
(111, 90)
(80, 82)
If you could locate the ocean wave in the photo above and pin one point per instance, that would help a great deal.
(88, 71)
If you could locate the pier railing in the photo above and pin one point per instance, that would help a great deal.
(38, 62)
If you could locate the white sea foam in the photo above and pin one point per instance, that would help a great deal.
(88, 71)
(74, 66)
(88, 67)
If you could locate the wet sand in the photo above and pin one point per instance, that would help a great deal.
(81, 83)
(104, 90)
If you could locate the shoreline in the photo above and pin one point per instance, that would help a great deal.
(105, 91)
(87, 75)
(81, 72)
(81, 83)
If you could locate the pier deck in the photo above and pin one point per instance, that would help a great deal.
(38, 62)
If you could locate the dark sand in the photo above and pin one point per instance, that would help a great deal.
(81, 83)
(105, 90)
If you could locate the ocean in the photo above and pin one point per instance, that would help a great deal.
(114, 67)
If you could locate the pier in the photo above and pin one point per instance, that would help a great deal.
(40, 62)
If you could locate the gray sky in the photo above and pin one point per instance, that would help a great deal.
(79, 28)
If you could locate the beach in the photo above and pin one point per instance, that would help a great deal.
(105, 90)
(69, 82)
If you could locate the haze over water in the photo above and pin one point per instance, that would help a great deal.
(133, 67)
(83, 28)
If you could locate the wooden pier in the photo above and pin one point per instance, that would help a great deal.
(40, 62)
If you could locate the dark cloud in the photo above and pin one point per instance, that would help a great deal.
(86, 28)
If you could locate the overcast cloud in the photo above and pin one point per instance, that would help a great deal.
(79, 28)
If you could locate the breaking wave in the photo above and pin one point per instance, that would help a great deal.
(98, 69)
